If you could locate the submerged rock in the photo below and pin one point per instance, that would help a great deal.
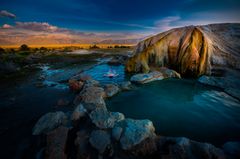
(100, 140)
(111, 90)
(213, 81)
(56, 143)
(104, 119)
(91, 98)
(134, 132)
(49, 122)
(78, 112)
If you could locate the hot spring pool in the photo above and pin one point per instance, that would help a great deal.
(180, 107)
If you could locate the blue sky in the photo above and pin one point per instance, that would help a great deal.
(121, 15)
(110, 18)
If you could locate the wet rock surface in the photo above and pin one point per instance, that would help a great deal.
(134, 132)
(111, 90)
(49, 122)
(91, 97)
(104, 119)
(105, 134)
(154, 76)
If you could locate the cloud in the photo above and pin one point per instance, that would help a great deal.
(4, 13)
(45, 33)
(166, 23)
(6, 26)
(36, 26)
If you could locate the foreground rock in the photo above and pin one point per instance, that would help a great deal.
(49, 122)
(100, 140)
(104, 119)
(232, 149)
(181, 147)
(56, 143)
(91, 97)
(154, 76)
(111, 90)
(134, 132)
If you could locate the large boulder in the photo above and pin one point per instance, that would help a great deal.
(105, 119)
(100, 140)
(191, 50)
(91, 97)
(49, 122)
(134, 132)
(111, 90)
(56, 143)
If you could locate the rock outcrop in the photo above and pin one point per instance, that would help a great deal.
(191, 50)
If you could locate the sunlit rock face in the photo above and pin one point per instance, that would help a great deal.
(191, 50)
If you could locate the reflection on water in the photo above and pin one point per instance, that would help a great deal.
(183, 108)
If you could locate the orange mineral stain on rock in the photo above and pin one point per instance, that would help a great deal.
(192, 51)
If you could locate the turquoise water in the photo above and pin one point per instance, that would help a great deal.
(98, 72)
(183, 108)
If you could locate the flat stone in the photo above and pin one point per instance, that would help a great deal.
(104, 119)
(91, 98)
(161, 74)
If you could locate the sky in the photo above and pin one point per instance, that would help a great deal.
(88, 20)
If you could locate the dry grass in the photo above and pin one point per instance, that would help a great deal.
(85, 46)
